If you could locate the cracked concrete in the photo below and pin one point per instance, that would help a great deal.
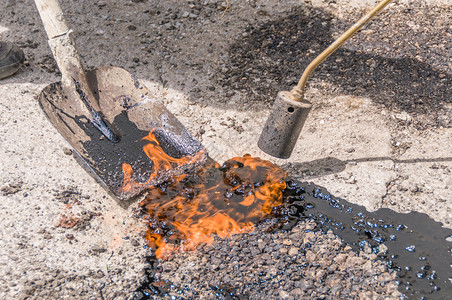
(63, 236)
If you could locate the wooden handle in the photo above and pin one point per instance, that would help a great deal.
(75, 85)
(52, 17)
(61, 44)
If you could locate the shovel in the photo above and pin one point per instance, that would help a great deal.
(122, 135)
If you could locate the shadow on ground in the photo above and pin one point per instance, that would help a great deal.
(278, 51)
(331, 165)
(254, 52)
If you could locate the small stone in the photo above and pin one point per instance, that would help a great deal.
(304, 285)
(287, 242)
(11, 189)
(272, 271)
(293, 251)
(351, 180)
(266, 257)
(284, 294)
(99, 274)
(67, 151)
(132, 27)
(382, 249)
(336, 289)
(310, 256)
(354, 261)
(98, 248)
(296, 292)
(340, 258)
(367, 266)
(403, 116)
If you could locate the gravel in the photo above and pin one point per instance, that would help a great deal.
(279, 265)
(400, 64)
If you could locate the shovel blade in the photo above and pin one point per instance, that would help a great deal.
(133, 113)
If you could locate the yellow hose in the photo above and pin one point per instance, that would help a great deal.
(297, 92)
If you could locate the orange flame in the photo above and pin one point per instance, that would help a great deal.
(161, 162)
(223, 200)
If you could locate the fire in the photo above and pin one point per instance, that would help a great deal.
(190, 209)
(161, 162)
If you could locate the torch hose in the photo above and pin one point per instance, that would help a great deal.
(297, 91)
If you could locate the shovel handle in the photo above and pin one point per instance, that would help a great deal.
(52, 17)
(60, 42)
(73, 77)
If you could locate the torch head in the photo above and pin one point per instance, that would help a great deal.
(283, 126)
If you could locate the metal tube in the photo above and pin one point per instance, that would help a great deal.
(297, 92)
(283, 125)
(290, 110)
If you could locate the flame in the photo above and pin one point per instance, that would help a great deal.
(190, 209)
(161, 162)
